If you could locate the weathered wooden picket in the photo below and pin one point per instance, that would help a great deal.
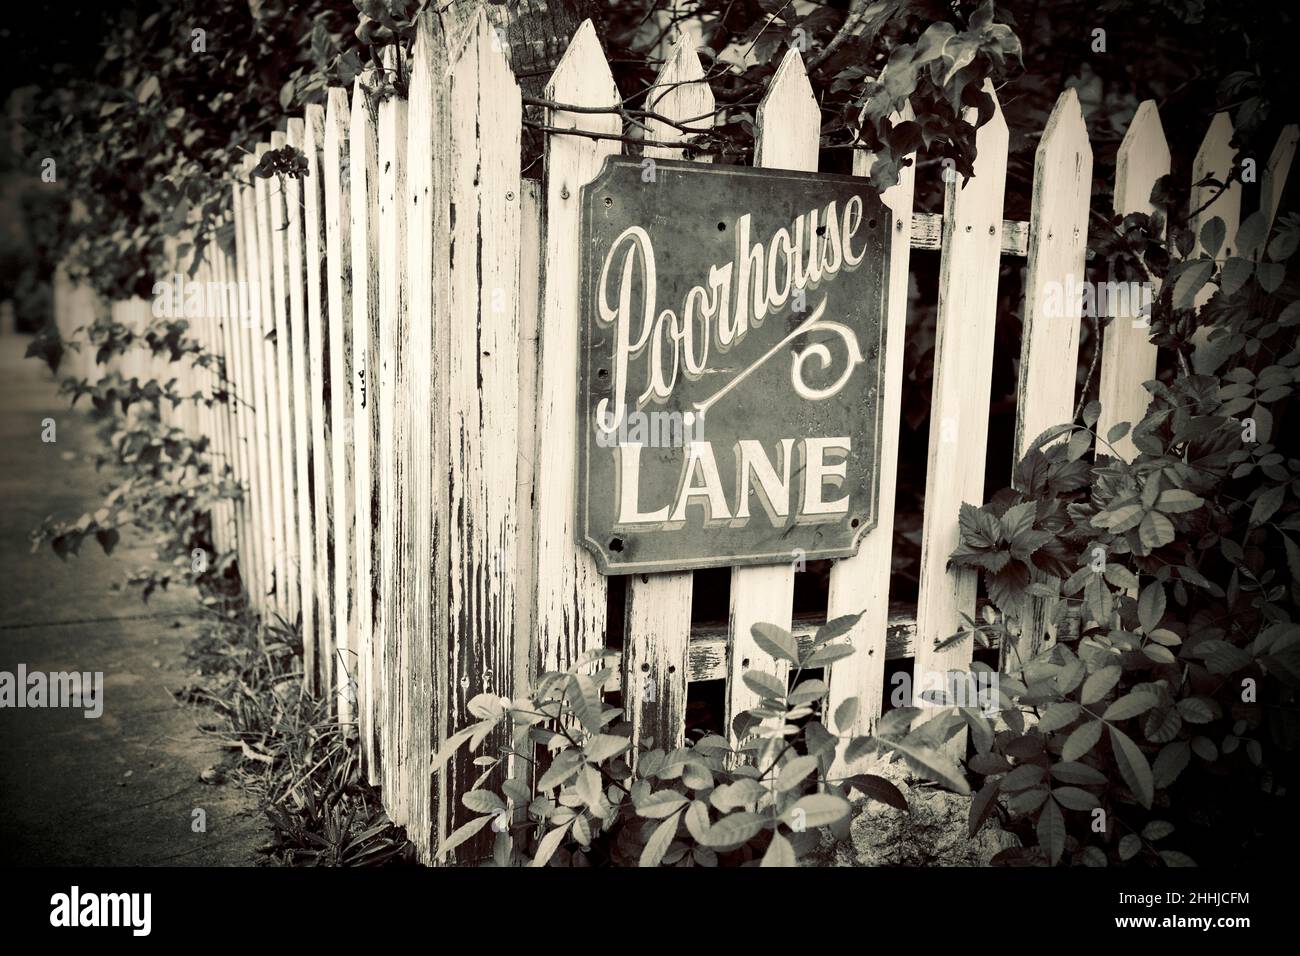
(398, 336)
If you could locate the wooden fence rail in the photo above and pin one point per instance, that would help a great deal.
(397, 333)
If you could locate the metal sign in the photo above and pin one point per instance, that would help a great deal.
(730, 365)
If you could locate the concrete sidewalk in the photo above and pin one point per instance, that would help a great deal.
(120, 789)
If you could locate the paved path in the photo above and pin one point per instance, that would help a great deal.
(121, 788)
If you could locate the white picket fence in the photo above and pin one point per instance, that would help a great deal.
(399, 333)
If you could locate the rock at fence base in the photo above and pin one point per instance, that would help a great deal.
(933, 834)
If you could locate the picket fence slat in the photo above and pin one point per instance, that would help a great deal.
(391, 138)
(959, 407)
(657, 619)
(246, 451)
(1128, 357)
(1058, 242)
(788, 129)
(228, 317)
(287, 399)
(421, 381)
(530, 294)
(338, 254)
(860, 584)
(570, 593)
(484, 115)
(319, 407)
(1058, 245)
(1275, 174)
(363, 170)
(267, 345)
(257, 364)
(1214, 160)
(303, 584)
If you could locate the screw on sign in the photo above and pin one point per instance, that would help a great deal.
(729, 367)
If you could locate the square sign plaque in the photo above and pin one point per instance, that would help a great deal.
(730, 370)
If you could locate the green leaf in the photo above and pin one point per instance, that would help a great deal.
(604, 746)
(1236, 272)
(837, 627)
(1161, 655)
(764, 685)
(1190, 282)
(828, 655)
(776, 641)
(779, 853)
(660, 804)
(818, 810)
(1155, 531)
(1251, 233)
(1082, 740)
(1051, 832)
(1157, 830)
(1059, 715)
(463, 833)
(846, 714)
(1165, 637)
(583, 697)
(1130, 705)
(659, 841)
(482, 801)
(549, 844)
(1022, 778)
(1130, 845)
(1212, 236)
(1073, 798)
(881, 789)
(1069, 771)
(1197, 710)
(1169, 763)
(807, 692)
(1177, 500)
(1080, 444)
(794, 772)
(1133, 766)
(740, 793)
(736, 828)
(933, 764)
(1267, 504)
(453, 743)
(981, 807)
(1098, 685)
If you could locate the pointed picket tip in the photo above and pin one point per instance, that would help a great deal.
(789, 86)
(314, 136)
(1065, 129)
(428, 54)
(1278, 171)
(1216, 145)
(277, 139)
(681, 65)
(788, 121)
(996, 127)
(293, 135)
(480, 41)
(582, 76)
(1142, 159)
(680, 93)
(337, 108)
(364, 107)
